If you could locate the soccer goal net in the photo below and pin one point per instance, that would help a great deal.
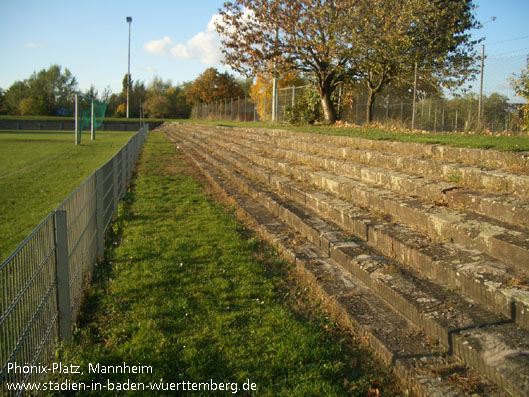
(88, 113)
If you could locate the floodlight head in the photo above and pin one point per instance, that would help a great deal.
(129, 19)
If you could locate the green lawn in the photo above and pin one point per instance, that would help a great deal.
(39, 169)
(187, 290)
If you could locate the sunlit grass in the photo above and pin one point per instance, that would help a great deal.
(39, 169)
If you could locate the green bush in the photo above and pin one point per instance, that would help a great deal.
(306, 110)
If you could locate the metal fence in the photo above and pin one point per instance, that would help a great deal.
(42, 281)
(241, 109)
(249, 109)
(431, 114)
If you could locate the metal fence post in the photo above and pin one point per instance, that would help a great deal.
(115, 194)
(356, 107)
(264, 108)
(63, 276)
(124, 159)
(100, 214)
(130, 162)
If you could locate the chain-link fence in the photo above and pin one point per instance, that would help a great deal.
(250, 109)
(431, 114)
(436, 114)
(42, 281)
(241, 109)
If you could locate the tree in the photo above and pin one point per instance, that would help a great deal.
(212, 86)
(30, 106)
(91, 92)
(495, 110)
(165, 100)
(120, 110)
(377, 41)
(261, 90)
(137, 93)
(157, 106)
(180, 109)
(158, 86)
(306, 35)
(16, 93)
(245, 84)
(106, 94)
(113, 102)
(396, 35)
(521, 87)
(46, 92)
(2, 97)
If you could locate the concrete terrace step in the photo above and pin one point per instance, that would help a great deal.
(508, 161)
(489, 341)
(502, 207)
(469, 230)
(475, 274)
(488, 179)
(414, 359)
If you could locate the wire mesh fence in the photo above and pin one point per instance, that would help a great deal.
(28, 304)
(240, 109)
(458, 114)
(42, 281)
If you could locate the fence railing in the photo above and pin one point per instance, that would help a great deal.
(42, 281)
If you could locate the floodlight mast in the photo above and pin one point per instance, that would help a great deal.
(129, 21)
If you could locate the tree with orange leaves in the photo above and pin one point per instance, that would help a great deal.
(261, 90)
(212, 86)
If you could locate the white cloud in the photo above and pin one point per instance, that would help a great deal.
(158, 47)
(215, 19)
(34, 45)
(204, 46)
(144, 69)
(180, 51)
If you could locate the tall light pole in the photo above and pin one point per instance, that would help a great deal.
(129, 21)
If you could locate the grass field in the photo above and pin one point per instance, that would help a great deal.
(38, 170)
(187, 290)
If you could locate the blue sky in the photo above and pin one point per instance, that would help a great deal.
(171, 39)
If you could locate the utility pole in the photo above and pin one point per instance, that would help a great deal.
(481, 86)
(129, 21)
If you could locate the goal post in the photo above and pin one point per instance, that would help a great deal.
(89, 112)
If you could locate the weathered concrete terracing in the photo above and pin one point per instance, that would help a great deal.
(424, 249)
